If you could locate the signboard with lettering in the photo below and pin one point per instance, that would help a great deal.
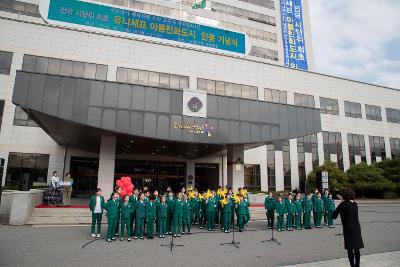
(116, 20)
(294, 46)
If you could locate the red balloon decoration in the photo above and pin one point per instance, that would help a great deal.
(126, 185)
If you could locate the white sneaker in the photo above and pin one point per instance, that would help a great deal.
(93, 235)
(98, 235)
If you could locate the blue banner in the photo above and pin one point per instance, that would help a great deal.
(294, 46)
(128, 21)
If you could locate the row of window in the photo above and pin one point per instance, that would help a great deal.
(20, 7)
(264, 53)
(64, 67)
(227, 89)
(5, 62)
(264, 3)
(151, 78)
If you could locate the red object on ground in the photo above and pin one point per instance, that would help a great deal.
(41, 206)
(256, 205)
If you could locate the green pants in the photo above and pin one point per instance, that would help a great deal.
(150, 227)
(177, 224)
(270, 218)
(112, 224)
(96, 219)
(247, 215)
(241, 221)
(216, 218)
(125, 223)
(186, 222)
(281, 222)
(298, 220)
(210, 220)
(289, 221)
(162, 222)
(325, 217)
(227, 220)
(118, 221)
(330, 217)
(131, 224)
(139, 227)
(318, 218)
(307, 219)
(157, 226)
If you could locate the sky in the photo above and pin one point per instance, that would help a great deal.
(357, 39)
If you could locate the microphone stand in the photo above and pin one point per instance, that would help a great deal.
(171, 244)
(272, 239)
(233, 242)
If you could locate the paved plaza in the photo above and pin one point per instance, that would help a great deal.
(63, 246)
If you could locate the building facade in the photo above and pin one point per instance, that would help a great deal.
(102, 105)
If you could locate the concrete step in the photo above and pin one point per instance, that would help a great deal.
(60, 212)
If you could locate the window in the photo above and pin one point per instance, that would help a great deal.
(377, 147)
(5, 62)
(264, 3)
(21, 118)
(35, 164)
(329, 106)
(393, 115)
(227, 89)
(2, 102)
(276, 96)
(333, 145)
(151, 78)
(352, 109)
(252, 177)
(356, 147)
(373, 113)
(395, 147)
(304, 100)
(264, 53)
(20, 7)
(64, 67)
(306, 144)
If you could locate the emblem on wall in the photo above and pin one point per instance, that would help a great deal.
(195, 104)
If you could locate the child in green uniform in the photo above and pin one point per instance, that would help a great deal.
(269, 205)
(178, 214)
(290, 209)
(307, 208)
(170, 200)
(162, 210)
(280, 212)
(118, 190)
(298, 210)
(156, 203)
(203, 213)
(246, 199)
(241, 213)
(211, 205)
(313, 198)
(150, 217)
(227, 212)
(324, 199)
(112, 208)
(126, 214)
(318, 210)
(133, 199)
(140, 213)
(187, 208)
(195, 208)
(96, 205)
(330, 207)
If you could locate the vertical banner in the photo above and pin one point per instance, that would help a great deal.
(294, 46)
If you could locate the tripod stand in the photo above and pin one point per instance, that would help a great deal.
(273, 239)
(233, 242)
(171, 244)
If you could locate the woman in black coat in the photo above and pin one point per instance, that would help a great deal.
(348, 211)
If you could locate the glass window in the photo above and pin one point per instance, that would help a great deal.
(41, 64)
(28, 63)
(394, 147)
(352, 109)
(154, 79)
(66, 67)
(373, 112)
(219, 88)
(21, 118)
(122, 75)
(356, 147)
(276, 96)
(133, 76)
(174, 81)
(78, 69)
(252, 177)
(164, 80)
(143, 77)
(54, 66)
(101, 72)
(304, 100)
(377, 147)
(211, 87)
(329, 106)
(90, 71)
(393, 115)
(183, 82)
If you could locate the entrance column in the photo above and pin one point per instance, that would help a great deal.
(105, 174)
(235, 171)
(190, 171)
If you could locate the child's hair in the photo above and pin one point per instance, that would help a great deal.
(152, 197)
(140, 194)
(117, 187)
(98, 189)
(162, 197)
(307, 194)
(54, 172)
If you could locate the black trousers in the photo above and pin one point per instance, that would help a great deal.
(354, 257)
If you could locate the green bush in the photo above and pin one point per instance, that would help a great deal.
(337, 178)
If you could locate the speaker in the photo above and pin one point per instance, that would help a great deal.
(318, 182)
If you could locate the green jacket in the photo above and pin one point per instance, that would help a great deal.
(151, 211)
(324, 199)
(241, 208)
(298, 206)
(162, 210)
(187, 207)
(307, 205)
(280, 208)
(290, 207)
(319, 205)
(126, 210)
(330, 205)
(92, 203)
(133, 199)
(140, 210)
(211, 205)
(313, 198)
(178, 208)
(195, 204)
(112, 208)
(171, 203)
(228, 207)
(269, 203)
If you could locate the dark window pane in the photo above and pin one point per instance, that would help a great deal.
(54, 66)
(66, 68)
(41, 64)
(101, 72)
(29, 63)
(78, 69)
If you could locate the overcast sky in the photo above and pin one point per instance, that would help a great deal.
(357, 39)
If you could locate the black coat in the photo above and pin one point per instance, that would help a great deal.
(351, 225)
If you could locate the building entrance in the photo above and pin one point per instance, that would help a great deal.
(207, 176)
(84, 172)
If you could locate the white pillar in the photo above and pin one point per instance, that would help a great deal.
(387, 148)
(320, 145)
(345, 151)
(190, 170)
(264, 170)
(294, 163)
(105, 174)
(367, 149)
(235, 171)
(279, 179)
(308, 163)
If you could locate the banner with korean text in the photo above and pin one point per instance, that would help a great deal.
(294, 46)
(128, 22)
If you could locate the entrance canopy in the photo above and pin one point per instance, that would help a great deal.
(149, 120)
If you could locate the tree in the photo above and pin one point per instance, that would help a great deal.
(337, 178)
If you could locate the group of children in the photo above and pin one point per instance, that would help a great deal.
(170, 213)
(298, 211)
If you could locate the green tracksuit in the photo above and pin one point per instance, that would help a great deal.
(96, 217)
(247, 209)
(269, 205)
(178, 214)
(133, 199)
(330, 207)
(227, 211)
(203, 212)
(162, 210)
(307, 208)
(186, 221)
(313, 198)
(170, 213)
(298, 211)
(290, 209)
(157, 202)
(126, 215)
(318, 211)
(241, 215)
(195, 212)
(112, 208)
(211, 206)
(150, 218)
(324, 199)
(140, 214)
(119, 201)
(280, 212)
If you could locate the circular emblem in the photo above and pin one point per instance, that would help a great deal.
(195, 104)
